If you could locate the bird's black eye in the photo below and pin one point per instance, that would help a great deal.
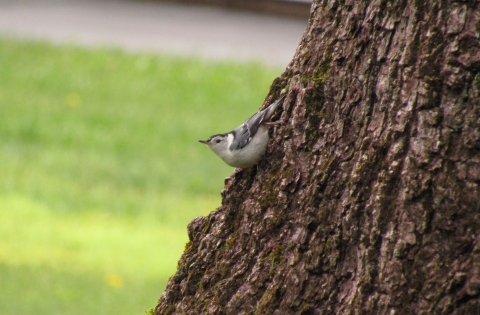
(217, 141)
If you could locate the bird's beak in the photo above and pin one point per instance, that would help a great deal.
(203, 141)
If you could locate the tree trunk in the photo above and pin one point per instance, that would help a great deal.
(368, 198)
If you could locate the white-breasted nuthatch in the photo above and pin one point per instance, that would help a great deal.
(245, 145)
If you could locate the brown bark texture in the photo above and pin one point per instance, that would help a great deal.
(368, 198)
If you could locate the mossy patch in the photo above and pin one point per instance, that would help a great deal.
(150, 312)
(276, 257)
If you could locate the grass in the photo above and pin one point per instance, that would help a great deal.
(101, 170)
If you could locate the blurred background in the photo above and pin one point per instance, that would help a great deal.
(101, 107)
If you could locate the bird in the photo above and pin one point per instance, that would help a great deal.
(245, 145)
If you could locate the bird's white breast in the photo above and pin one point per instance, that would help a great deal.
(251, 153)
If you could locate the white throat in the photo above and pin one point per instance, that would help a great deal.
(229, 140)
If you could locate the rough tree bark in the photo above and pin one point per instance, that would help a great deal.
(368, 199)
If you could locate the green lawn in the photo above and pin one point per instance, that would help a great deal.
(101, 171)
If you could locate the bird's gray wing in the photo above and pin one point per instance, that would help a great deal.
(244, 133)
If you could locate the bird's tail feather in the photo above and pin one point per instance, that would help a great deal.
(271, 108)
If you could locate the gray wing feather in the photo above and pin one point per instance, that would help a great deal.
(244, 133)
